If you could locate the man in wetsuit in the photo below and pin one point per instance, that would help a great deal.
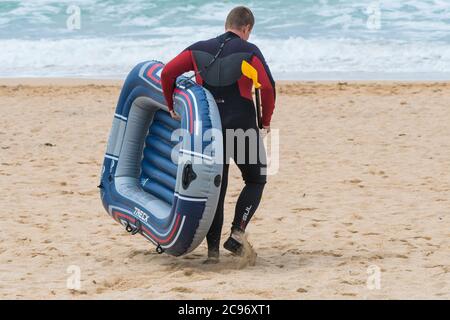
(217, 64)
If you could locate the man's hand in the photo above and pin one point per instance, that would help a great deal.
(265, 131)
(175, 115)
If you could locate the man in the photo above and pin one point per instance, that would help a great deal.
(217, 65)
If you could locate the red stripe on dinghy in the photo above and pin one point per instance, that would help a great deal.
(172, 233)
(191, 120)
(118, 214)
(150, 73)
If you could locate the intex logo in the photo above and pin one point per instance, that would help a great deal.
(140, 214)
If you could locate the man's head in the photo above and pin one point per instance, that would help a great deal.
(240, 20)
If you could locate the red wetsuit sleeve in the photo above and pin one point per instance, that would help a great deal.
(267, 89)
(172, 70)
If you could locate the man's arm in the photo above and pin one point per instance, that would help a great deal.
(173, 69)
(268, 93)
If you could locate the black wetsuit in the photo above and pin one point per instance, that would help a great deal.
(233, 94)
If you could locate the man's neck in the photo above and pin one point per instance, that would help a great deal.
(236, 32)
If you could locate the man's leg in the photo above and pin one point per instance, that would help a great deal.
(247, 204)
(214, 233)
(254, 175)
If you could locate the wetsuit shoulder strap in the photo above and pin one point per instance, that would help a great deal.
(222, 45)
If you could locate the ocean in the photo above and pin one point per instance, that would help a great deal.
(303, 39)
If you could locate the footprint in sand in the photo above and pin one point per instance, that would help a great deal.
(77, 292)
(348, 294)
(302, 209)
(422, 237)
(353, 282)
(357, 216)
(107, 263)
(192, 257)
(182, 290)
(188, 273)
(111, 284)
(87, 193)
(292, 251)
(135, 253)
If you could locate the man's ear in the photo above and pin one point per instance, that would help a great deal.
(246, 30)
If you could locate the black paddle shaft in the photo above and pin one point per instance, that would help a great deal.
(258, 108)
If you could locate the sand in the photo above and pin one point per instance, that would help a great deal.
(363, 186)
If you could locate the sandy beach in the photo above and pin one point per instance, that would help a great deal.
(363, 185)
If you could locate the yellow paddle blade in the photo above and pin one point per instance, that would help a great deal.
(250, 72)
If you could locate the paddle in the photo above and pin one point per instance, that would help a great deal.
(250, 72)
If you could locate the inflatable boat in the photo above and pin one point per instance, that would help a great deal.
(160, 177)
